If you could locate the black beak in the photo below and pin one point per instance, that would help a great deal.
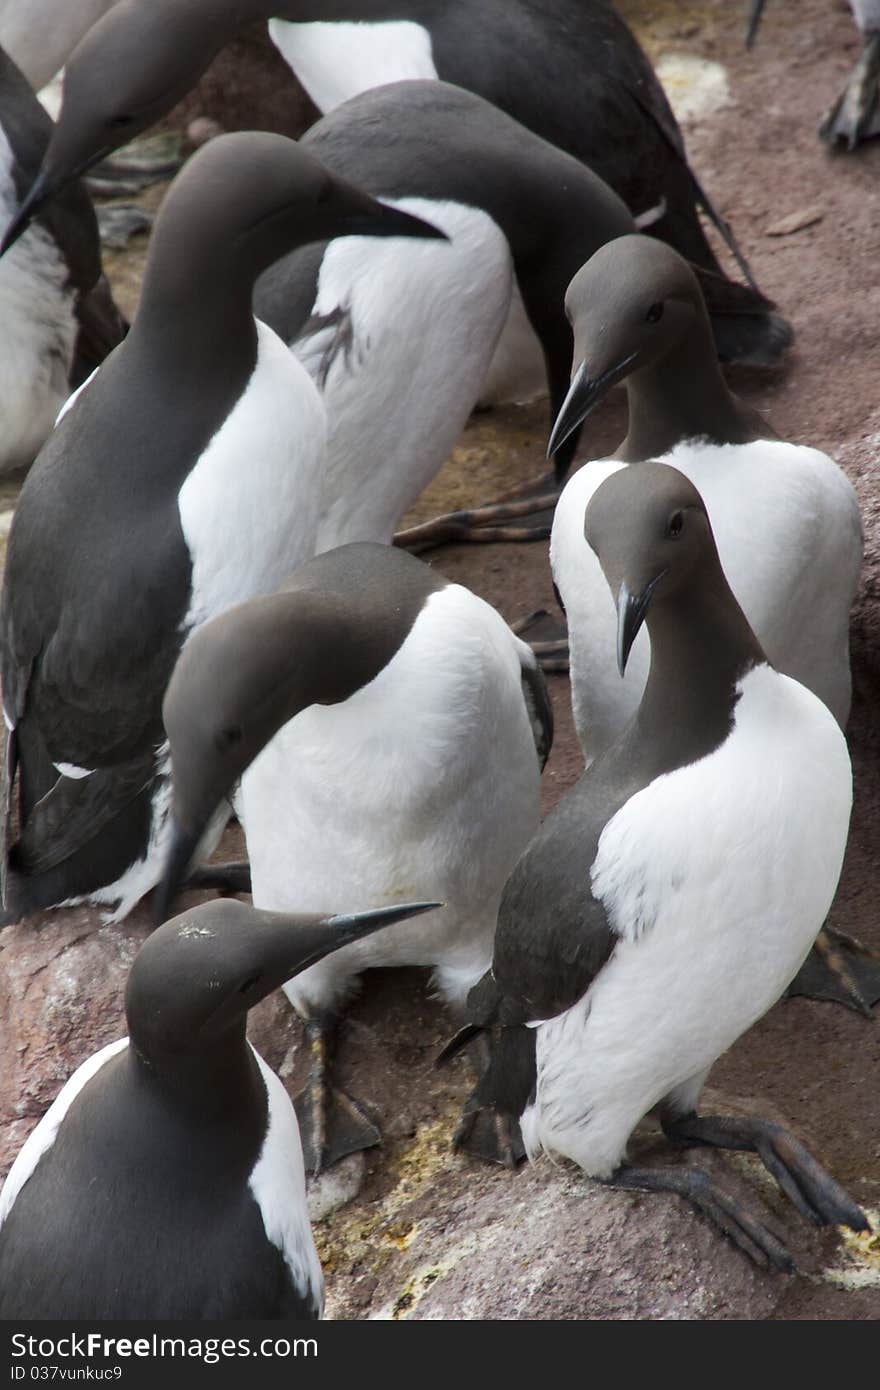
(39, 192)
(320, 938)
(177, 862)
(631, 610)
(754, 21)
(584, 394)
(352, 212)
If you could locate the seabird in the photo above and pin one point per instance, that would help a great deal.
(57, 316)
(186, 476)
(389, 732)
(855, 115)
(167, 1180)
(674, 891)
(569, 71)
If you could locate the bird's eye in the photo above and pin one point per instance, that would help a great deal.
(675, 524)
(121, 121)
(655, 312)
(229, 737)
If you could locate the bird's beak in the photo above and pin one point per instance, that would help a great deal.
(584, 394)
(39, 193)
(754, 21)
(320, 938)
(631, 610)
(356, 213)
(177, 861)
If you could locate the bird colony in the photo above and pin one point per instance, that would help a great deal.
(210, 614)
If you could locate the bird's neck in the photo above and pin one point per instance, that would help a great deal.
(701, 647)
(196, 320)
(210, 1083)
(684, 396)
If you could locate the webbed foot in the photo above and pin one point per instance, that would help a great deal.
(840, 969)
(818, 1197)
(732, 1217)
(855, 116)
(332, 1123)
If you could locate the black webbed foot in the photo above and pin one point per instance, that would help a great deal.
(487, 1134)
(840, 969)
(816, 1195)
(332, 1123)
(855, 116)
(744, 1227)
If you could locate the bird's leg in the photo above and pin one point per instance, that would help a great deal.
(805, 1182)
(332, 1124)
(482, 524)
(839, 969)
(226, 879)
(731, 1216)
(856, 114)
(486, 1131)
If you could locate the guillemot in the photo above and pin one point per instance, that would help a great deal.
(57, 316)
(675, 890)
(166, 1180)
(389, 731)
(185, 477)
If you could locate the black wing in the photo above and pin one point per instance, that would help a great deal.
(538, 707)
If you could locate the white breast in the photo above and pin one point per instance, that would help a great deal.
(422, 785)
(335, 61)
(278, 1185)
(413, 327)
(788, 531)
(249, 507)
(41, 1139)
(37, 332)
(716, 879)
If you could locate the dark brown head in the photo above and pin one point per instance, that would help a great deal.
(630, 306)
(239, 678)
(197, 976)
(649, 527)
(245, 199)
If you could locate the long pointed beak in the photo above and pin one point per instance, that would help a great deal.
(754, 21)
(351, 211)
(631, 610)
(376, 219)
(317, 939)
(584, 395)
(177, 861)
(39, 192)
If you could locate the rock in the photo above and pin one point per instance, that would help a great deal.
(795, 222)
(336, 1187)
(201, 130)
